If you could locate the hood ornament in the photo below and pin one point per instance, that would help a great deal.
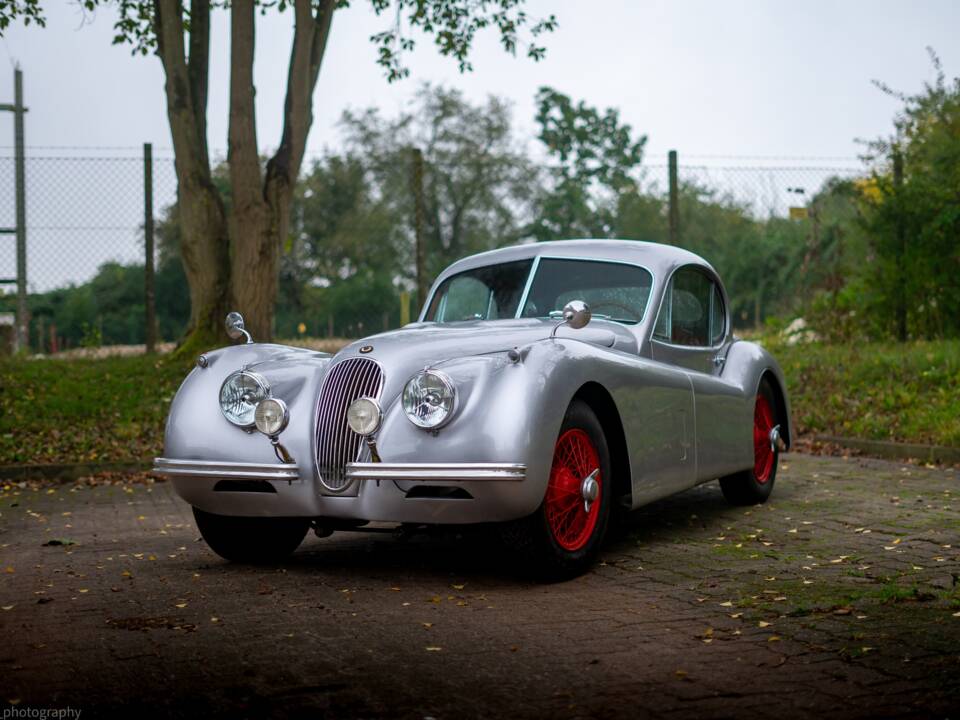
(366, 349)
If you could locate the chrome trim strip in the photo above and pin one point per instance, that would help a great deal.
(524, 296)
(226, 469)
(446, 472)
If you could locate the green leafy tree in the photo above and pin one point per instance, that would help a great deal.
(231, 256)
(594, 158)
(915, 225)
(478, 184)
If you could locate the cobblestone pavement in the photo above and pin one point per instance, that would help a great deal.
(838, 598)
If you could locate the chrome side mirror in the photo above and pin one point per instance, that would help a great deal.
(576, 314)
(234, 327)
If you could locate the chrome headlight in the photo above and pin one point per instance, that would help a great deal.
(364, 416)
(271, 416)
(240, 394)
(429, 399)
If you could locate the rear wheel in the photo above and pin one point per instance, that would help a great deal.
(562, 538)
(251, 539)
(755, 485)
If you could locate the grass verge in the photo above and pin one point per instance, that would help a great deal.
(68, 411)
(877, 391)
(114, 409)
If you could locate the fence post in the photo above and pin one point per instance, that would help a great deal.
(23, 321)
(674, 199)
(149, 291)
(418, 219)
(901, 309)
(404, 308)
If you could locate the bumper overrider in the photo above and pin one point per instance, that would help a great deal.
(415, 472)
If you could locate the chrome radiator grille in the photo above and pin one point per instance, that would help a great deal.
(337, 444)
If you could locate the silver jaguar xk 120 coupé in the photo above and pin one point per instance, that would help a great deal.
(543, 387)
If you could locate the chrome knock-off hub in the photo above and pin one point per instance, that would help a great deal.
(775, 438)
(590, 489)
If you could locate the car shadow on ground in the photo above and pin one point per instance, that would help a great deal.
(480, 553)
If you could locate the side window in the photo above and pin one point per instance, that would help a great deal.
(718, 316)
(692, 313)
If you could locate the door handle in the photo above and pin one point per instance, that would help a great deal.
(719, 360)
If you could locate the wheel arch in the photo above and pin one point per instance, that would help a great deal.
(598, 398)
(779, 396)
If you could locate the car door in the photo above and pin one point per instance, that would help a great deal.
(692, 331)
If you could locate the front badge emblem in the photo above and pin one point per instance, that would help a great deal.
(366, 348)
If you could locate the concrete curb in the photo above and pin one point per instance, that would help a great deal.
(897, 451)
(67, 473)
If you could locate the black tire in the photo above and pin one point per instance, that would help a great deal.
(746, 487)
(532, 537)
(255, 540)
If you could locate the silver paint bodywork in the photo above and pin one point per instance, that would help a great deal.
(686, 413)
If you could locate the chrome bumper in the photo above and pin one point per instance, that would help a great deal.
(443, 472)
(225, 469)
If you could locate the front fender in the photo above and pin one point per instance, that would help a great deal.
(507, 412)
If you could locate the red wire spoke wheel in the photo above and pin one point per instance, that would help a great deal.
(574, 459)
(763, 454)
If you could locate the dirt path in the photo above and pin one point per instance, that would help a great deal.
(840, 597)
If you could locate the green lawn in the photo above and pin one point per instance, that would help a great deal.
(876, 391)
(113, 410)
(65, 411)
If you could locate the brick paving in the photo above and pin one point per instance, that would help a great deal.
(838, 598)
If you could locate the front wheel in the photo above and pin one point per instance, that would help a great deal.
(754, 486)
(251, 539)
(563, 537)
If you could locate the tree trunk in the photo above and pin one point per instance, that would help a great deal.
(260, 214)
(205, 243)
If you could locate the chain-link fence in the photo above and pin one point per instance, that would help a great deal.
(85, 242)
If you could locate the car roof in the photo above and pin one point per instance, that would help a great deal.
(658, 258)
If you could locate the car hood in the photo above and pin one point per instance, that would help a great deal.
(419, 345)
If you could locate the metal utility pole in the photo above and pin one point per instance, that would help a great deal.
(674, 199)
(148, 270)
(23, 326)
(418, 221)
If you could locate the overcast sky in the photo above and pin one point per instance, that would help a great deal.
(704, 77)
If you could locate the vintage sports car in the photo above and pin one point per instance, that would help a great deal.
(545, 387)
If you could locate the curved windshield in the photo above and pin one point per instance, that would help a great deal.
(486, 293)
(614, 291)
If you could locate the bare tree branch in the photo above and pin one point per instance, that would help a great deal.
(309, 44)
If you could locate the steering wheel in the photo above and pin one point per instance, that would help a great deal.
(610, 303)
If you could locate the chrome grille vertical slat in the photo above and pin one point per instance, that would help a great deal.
(337, 444)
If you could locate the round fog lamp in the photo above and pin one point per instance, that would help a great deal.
(364, 416)
(271, 416)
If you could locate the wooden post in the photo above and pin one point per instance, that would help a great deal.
(23, 317)
(901, 297)
(674, 198)
(148, 270)
(404, 308)
(418, 221)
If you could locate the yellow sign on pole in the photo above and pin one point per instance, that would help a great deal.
(799, 213)
(404, 308)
